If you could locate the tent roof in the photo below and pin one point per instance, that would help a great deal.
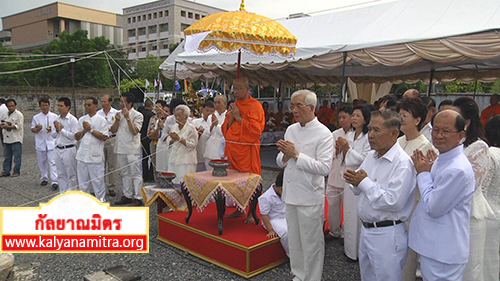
(390, 41)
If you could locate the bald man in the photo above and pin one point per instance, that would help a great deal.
(215, 137)
(411, 93)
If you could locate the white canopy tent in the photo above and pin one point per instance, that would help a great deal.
(393, 41)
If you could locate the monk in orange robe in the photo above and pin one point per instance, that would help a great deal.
(242, 129)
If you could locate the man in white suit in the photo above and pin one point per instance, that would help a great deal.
(439, 229)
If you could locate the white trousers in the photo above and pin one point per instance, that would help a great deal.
(352, 224)
(280, 227)
(382, 252)
(306, 242)
(45, 160)
(130, 171)
(491, 258)
(66, 168)
(434, 270)
(110, 162)
(334, 195)
(92, 172)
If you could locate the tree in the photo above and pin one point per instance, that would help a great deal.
(9, 62)
(126, 84)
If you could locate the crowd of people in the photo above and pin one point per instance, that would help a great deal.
(418, 185)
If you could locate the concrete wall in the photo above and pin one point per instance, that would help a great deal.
(27, 99)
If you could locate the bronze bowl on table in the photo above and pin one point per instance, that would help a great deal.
(220, 167)
(165, 180)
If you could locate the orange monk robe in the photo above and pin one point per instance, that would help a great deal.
(242, 139)
(489, 112)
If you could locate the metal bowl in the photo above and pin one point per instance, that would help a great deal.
(220, 167)
(165, 179)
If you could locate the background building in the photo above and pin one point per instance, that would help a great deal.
(150, 28)
(35, 28)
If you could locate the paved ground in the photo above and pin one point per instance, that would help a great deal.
(163, 261)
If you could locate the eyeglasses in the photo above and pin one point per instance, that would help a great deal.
(444, 133)
(299, 106)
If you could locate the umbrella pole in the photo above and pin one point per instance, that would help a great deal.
(342, 82)
(175, 73)
(239, 64)
(430, 83)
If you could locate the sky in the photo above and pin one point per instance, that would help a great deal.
(271, 8)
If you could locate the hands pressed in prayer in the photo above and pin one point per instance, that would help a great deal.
(288, 148)
(342, 144)
(421, 162)
(354, 177)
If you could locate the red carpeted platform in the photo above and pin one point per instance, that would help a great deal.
(242, 248)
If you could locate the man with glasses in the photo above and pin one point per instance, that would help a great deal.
(306, 155)
(439, 229)
(92, 132)
(109, 113)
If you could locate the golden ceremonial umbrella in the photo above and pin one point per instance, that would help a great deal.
(242, 30)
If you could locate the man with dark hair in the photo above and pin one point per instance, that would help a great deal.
(445, 104)
(147, 166)
(12, 126)
(128, 148)
(202, 125)
(335, 186)
(92, 132)
(439, 229)
(385, 183)
(41, 125)
(3, 109)
(273, 212)
(109, 113)
(64, 134)
(426, 130)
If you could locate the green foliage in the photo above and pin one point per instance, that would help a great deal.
(126, 84)
(9, 62)
(172, 47)
(399, 89)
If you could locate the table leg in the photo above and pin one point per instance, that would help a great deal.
(160, 205)
(220, 201)
(253, 203)
(185, 192)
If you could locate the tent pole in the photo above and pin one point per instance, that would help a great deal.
(175, 77)
(429, 89)
(342, 82)
(475, 90)
(239, 64)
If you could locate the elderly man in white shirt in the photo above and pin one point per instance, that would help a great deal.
(41, 125)
(202, 125)
(335, 185)
(213, 147)
(440, 227)
(109, 113)
(92, 132)
(385, 183)
(128, 148)
(65, 127)
(306, 154)
(12, 124)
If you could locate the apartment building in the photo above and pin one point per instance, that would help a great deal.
(150, 28)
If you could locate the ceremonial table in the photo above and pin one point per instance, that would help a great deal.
(243, 188)
(164, 197)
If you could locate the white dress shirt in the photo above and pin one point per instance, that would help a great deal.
(43, 140)
(304, 179)
(439, 229)
(3, 109)
(110, 117)
(427, 131)
(13, 135)
(216, 138)
(203, 138)
(336, 177)
(126, 142)
(388, 192)
(91, 149)
(67, 135)
(271, 205)
(358, 149)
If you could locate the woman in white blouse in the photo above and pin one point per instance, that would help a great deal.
(413, 113)
(492, 194)
(354, 148)
(477, 152)
(182, 141)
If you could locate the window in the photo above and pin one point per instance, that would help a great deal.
(166, 13)
(143, 48)
(131, 32)
(142, 31)
(155, 15)
(197, 16)
(152, 29)
(149, 16)
(202, 16)
(133, 50)
(165, 47)
(50, 32)
(154, 47)
(183, 13)
(164, 27)
(190, 15)
(138, 18)
(143, 17)
(129, 20)
(160, 14)
(184, 26)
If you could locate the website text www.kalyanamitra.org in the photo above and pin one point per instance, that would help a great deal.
(74, 243)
